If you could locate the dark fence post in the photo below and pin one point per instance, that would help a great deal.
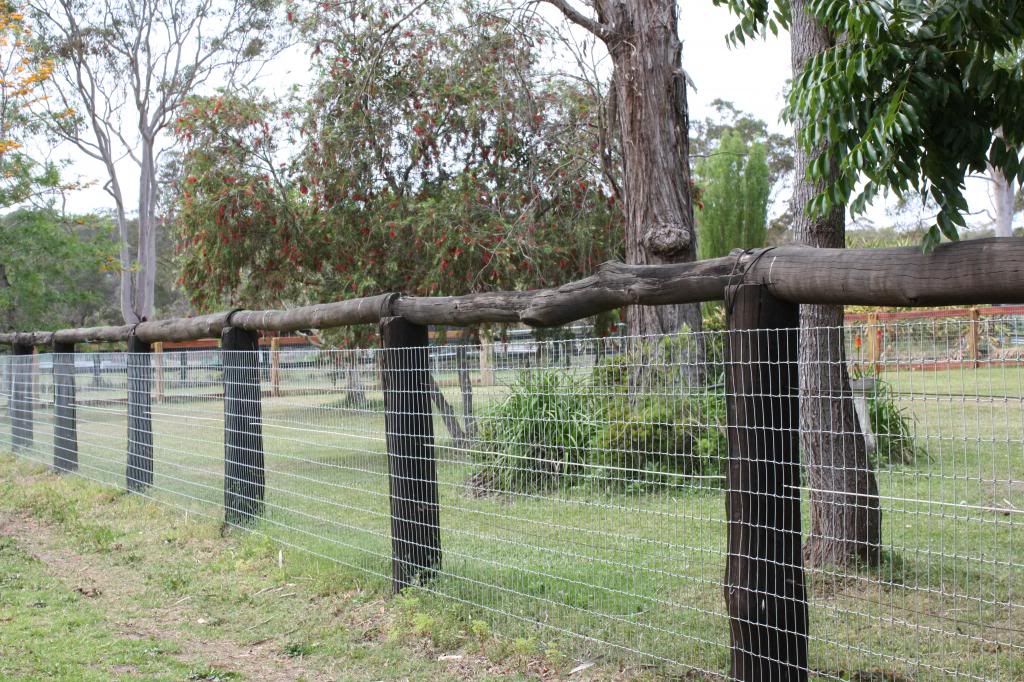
(139, 473)
(21, 397)
(65, 428)
(412, 469)
(764, 580)
(244, 474)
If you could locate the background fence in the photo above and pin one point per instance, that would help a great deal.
(945, 338)
(580, 484)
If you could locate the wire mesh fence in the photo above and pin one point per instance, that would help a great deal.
(580, 484)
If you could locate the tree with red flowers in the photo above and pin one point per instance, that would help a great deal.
(433, 156)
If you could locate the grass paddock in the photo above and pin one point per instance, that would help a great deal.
(632, 576)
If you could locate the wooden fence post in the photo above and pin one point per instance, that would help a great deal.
(412, 469)
(35, 373)
(764, 580)
(974, 337)
(874, 334)
(21, 397)
(486, 357)
(158, 366)
(139, 472)
(65, 427)
(244, 473)
(275, 366)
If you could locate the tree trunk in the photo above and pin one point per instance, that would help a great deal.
(145, 279)
(1004, 196)
(126, 285)
(466, 383)
(448, 417)
(355, 392)
(486, 357)
(649, 87)
(8, 319)
(846, 520)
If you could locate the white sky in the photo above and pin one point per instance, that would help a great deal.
(751, 76)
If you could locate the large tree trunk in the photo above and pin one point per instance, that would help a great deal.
(846, 520)
(649, 87)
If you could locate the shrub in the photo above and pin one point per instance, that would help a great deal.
(623, 428)
(537, 438)
(893, 427)
(655, 441)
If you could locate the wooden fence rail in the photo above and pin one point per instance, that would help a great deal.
(763, 284)
(964, 273)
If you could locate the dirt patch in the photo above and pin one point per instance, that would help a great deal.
(110, 586)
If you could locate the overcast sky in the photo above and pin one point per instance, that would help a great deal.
(752, 77)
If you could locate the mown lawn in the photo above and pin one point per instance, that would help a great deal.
(638, 573)
(96, 584)
(50, 631)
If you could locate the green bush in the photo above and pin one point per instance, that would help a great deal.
(621, 429)
(537, 438)
(893, 427)
(658, 440)
(661, 422)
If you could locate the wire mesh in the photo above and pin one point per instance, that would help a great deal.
(581, 484)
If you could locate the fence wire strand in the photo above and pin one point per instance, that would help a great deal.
(581, 482)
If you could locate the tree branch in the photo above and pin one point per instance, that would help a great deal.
(594, 26)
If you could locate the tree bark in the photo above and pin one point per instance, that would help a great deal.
(145, 280)
(846, 520)
(466, 383)
(649, 98)
(1004, 195)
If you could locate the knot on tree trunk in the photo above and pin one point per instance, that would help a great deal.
(667, 239)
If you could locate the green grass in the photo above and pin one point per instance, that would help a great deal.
(639, 574)
(129, 589)
(49, 631)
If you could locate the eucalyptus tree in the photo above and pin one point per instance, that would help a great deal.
(651, 118)
(122, 69)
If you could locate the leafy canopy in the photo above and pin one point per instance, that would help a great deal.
(908, 100)
(733, 211)
(54, 270)
(22, 77)
(433, 155)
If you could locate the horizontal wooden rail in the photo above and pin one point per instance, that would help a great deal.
(938, 313)
(980, 271)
